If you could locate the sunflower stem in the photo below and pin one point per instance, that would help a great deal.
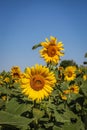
(35, 103)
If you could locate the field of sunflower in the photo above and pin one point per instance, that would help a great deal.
(46, 97)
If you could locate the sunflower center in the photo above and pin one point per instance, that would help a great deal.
(37, 82)
(69, 74)
(16, 75)
(72, 89)
(51, 50)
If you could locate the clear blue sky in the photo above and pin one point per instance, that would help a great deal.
(24, 23)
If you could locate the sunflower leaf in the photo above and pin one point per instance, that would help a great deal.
(84, 87)
(36, 46)
(37, 113)
(16, 108)
(7, 118)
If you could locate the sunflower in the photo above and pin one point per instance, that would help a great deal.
(64, 94)
(74, 89)
(4, 98)
(7, 80)
(84, 77)
(52, 50)
(66, 91)
(16, 73)
(69, 73)
(1, 79)
(63, 97)
(37, 82)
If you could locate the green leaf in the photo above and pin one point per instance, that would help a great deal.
(15, 108)
(37, 113)
(2, 103)
(78, 107)
(84, 117)
(3, 90)
(9, 119)
(44, 119)
(36, 46)
(74, 126)
(41, 129)
(65, 116)
(56, 128)
(84, 87)
(48, 125)
(60, 118)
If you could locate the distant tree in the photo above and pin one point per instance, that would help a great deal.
(66, 63)
(85, 62)
(85, 54)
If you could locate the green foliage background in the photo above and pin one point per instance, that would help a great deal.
(19, 113)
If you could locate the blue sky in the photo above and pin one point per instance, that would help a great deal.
(24, 23)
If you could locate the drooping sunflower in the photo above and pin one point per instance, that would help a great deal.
(37, 82)
(16, 73)
(69, 73)
(52, 50)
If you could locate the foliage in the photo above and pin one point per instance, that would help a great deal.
(64, 109)
(65, 63)
(85, 54)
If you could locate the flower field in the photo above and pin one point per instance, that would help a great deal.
(44, 97)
